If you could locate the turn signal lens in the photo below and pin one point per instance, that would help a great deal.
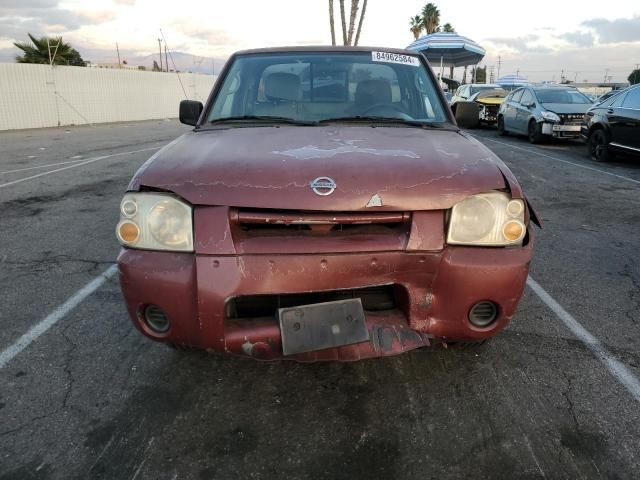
(513, 231)
(128, 232)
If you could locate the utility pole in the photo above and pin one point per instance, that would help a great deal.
(166, 61)
(562, 76)
(118, 50)
(160, 47)
(606, 73)
(499, 64)
(491, 77)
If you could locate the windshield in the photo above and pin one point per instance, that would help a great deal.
(561, 96)
(475, 90)
(316, 87)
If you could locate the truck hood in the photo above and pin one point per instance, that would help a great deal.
(381, 168)
(568, 107)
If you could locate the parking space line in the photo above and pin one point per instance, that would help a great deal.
(50, 320)
(42, 166)
(615, 367)
(558, 159)
(90, 160)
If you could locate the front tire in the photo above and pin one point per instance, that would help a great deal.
(534, 132)
(501, 131)
(599, 146)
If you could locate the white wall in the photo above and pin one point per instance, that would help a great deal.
(34, 96)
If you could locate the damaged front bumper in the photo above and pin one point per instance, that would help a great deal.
(557, 130)
(228, 302)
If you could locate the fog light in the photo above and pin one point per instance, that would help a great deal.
(483, 314)
(156, 319)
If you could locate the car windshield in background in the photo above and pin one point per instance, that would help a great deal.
(316, 87)
(475, 90)
(549, 95)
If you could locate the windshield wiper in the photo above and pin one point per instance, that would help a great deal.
(261, 118)
(374, 119)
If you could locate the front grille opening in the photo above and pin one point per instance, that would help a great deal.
(264, 222)
(377, 298)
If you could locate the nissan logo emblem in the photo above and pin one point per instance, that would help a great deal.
(323, 186)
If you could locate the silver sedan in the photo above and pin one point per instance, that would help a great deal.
(542, 112)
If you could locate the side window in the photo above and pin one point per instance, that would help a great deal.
(632, 100)
(527, 98)
(617, 100)
(517, 95)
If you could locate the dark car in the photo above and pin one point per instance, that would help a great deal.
(325, 207)
(541, 112)
(614, 126)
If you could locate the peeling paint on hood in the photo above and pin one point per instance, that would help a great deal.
(411, 168)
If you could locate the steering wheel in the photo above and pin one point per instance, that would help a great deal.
(382, 107)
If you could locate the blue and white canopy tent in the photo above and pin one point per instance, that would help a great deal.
(449, 49)
(509, 81)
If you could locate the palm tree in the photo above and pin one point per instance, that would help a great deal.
(344, 23)
(62, 53)
(333, 28)
(415, 26)
(431, 18)
(448, 28)
(364, 9)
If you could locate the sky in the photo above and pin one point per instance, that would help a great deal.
(537, 39)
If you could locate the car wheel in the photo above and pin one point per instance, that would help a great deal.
(534, 132)
(599, 146)
(501, 131)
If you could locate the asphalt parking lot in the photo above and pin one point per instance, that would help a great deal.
(84, 395)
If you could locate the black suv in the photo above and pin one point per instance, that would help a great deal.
(614, 125)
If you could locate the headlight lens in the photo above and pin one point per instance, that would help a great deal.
(487, 219)
(155, 221)
(550, 116)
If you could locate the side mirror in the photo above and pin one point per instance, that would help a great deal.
(190, 111)
(531, 105)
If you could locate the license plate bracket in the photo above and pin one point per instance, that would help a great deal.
(317, 326)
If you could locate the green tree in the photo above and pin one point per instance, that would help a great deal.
(431, 18)
(634, 77)
(448, 28)
(479, 74)
(415, 26)
(43, 48)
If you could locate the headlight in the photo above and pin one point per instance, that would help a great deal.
(487, 219)
(550, 116)
(155, 221)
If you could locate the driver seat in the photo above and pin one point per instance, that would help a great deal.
(371, 92)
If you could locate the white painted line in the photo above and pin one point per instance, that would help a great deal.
(84, 162)
(50, 320)
(617, 368)
(41, 166)
(558, 159)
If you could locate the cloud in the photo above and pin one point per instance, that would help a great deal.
(15, 4)
(197, 31)
(581, 39)
(615, 31)
(44, 17)
(514, 43)
(125, 2)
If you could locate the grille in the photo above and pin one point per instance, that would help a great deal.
(571, 119)
(252, 306)
(277, 222)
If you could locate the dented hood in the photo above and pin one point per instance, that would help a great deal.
(381, 168)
